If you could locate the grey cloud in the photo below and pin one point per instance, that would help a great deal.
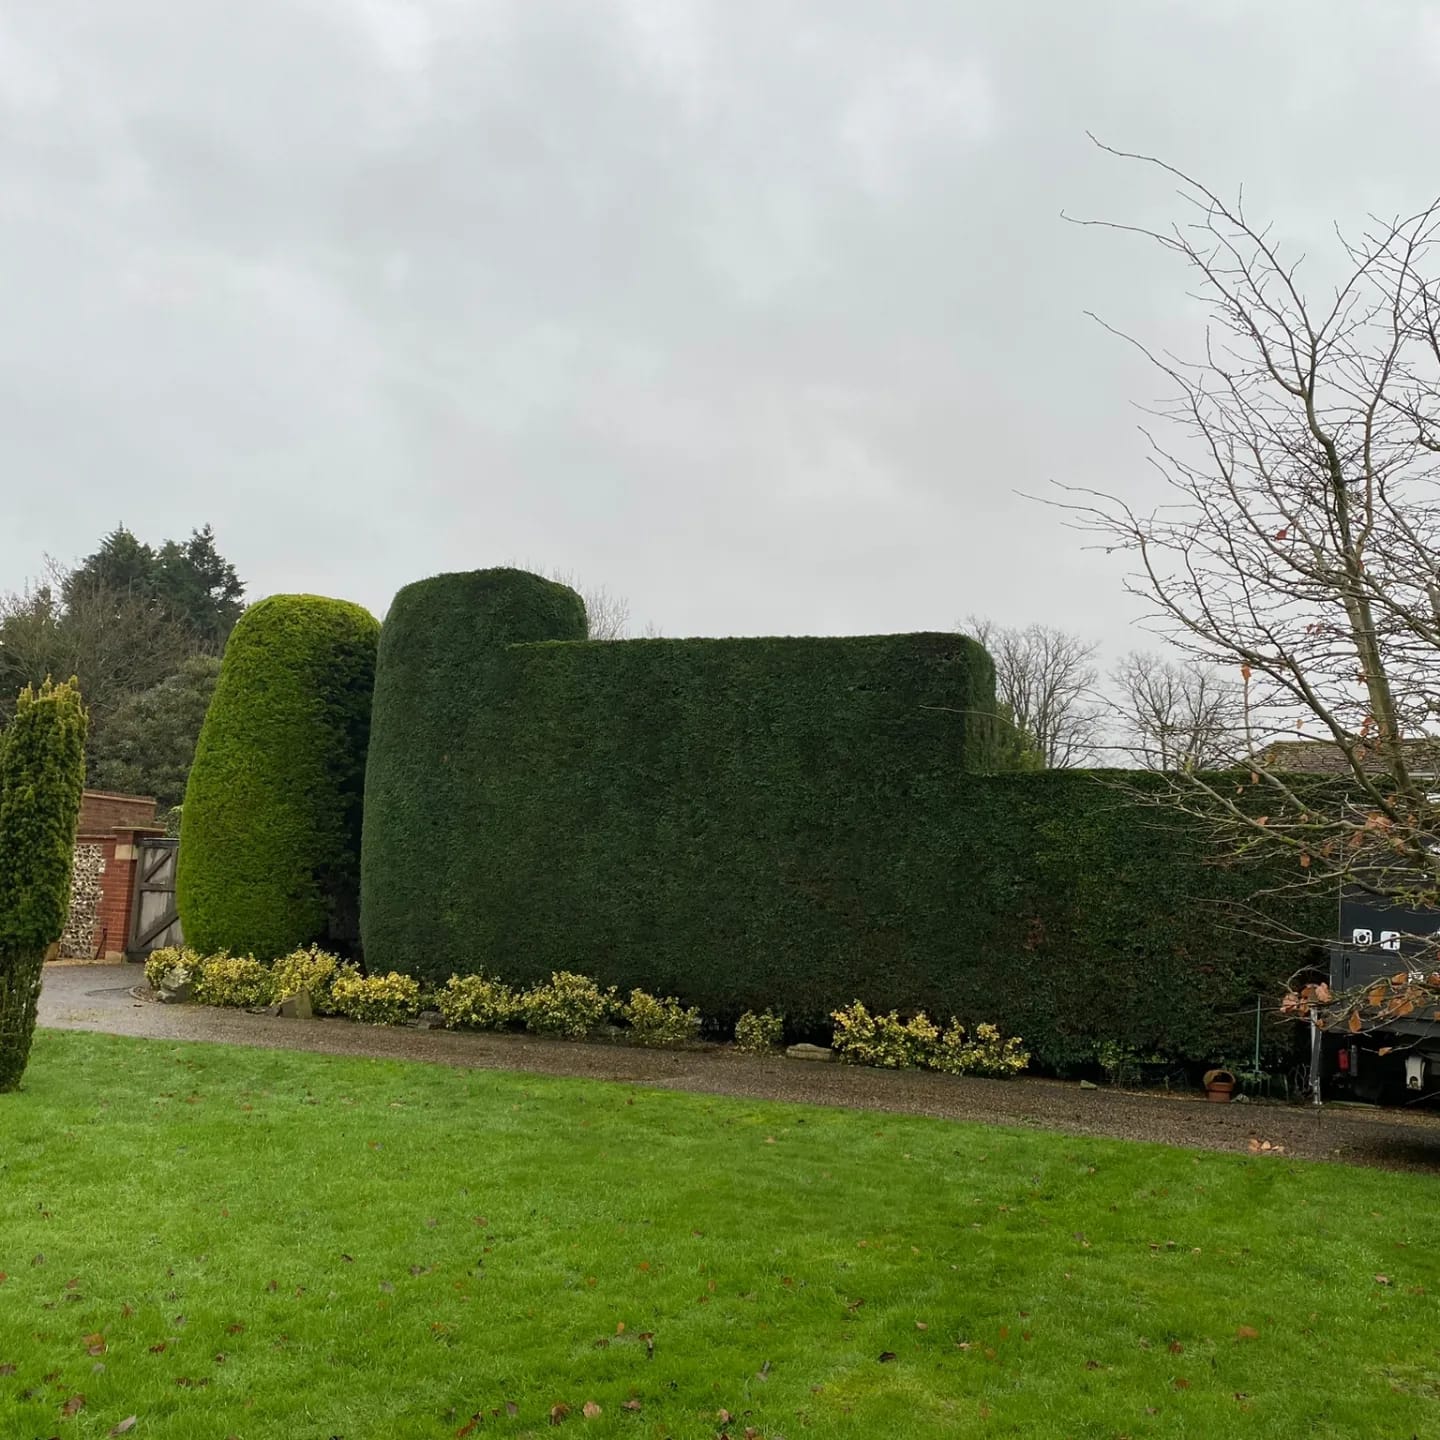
(759, 313)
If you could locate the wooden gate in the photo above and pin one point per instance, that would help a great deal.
(154, 920)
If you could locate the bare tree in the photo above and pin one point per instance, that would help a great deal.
(1047, 680)
(1294, 537)
(1175, 716)
(608, 613)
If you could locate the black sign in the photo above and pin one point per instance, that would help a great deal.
(1379, 927)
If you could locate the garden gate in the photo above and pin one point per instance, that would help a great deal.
(154, 920)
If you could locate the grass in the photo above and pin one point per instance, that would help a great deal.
(231, 1242)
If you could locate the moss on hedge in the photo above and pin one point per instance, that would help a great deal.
(270, 830)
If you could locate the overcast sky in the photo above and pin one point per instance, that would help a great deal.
(758, 312)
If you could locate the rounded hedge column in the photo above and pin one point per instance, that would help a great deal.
(437, 672)
(42, 773)
(270, 829)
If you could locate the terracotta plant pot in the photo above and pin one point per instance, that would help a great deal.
(1219, 1086)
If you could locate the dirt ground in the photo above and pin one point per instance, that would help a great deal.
(100, 998)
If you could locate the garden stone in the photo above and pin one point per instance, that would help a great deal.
(176, 987)
(810, 1052)
(430, 1020)
(1088, 1085)
(297, 1006)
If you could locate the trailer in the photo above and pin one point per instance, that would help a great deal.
(1377, 940)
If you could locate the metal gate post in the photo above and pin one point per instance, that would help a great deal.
(1314, 1060)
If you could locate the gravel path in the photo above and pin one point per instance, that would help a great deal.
(98, 997)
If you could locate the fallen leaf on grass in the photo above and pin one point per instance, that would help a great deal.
(558, 1413)
(1181, 1383)
(159, 1348)
(73, 1406)
(235, 1329)
(1176, 1347)
(590, 1410)
(633, 1405)
(1382, 1280)
(886, 1356)
(511, 1409)
(1246, 1332)
(94, 1344)
(126, 1425)
(7, 1369)
(724, 1416)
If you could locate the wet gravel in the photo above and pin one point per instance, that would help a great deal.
(114, 999)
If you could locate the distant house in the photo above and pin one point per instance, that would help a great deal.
(1325, 757)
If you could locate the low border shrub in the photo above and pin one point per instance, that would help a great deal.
(759, 1034)
(233, 980)
(660, 1023)
(376, 999)
(476, 1002)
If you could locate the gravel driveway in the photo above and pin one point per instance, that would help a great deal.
(98, 997)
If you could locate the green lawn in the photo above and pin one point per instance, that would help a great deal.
(259, 1244)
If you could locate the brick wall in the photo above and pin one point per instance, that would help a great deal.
(113, 823)
(102, 813)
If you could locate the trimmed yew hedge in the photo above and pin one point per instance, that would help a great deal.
(270, 829)
(783, 824)
(436, 682)
(739, 822)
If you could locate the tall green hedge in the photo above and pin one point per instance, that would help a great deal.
(731, 820)
(42, 774)
(435, 685)
(270, 830)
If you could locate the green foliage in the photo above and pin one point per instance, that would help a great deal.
(1016, 751)
(660, 1023)
(986, 1052)
(889, 1043)
(737, 822)
(171, 958)
(476, 1002)
(567, 1004)
(270, 831)
(189, 580)
(148, 744)
(42, 772)
(1123, 1064)
(434, 685)
(785, 823)
(376, 999)
(235, 980)
(312, 970)
(884, 1041)
(759, 1034)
